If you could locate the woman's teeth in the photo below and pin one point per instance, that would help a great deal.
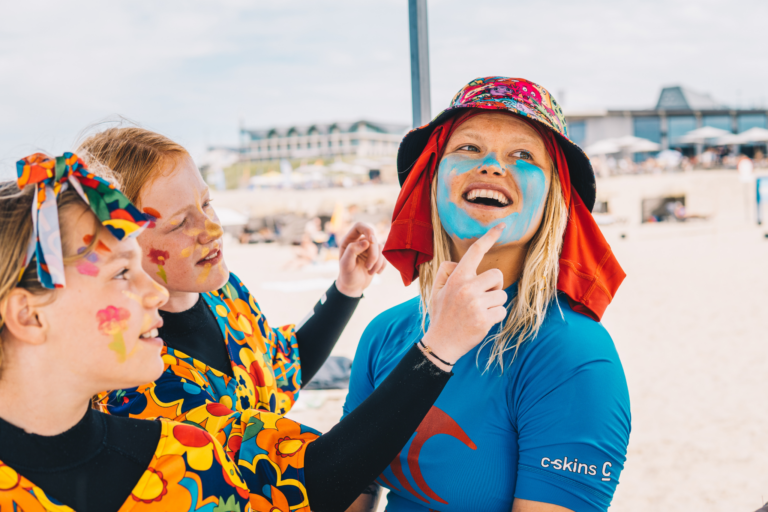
(151, 334)
(211, 256)
(489, 194)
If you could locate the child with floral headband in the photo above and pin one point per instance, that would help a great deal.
(79, 315)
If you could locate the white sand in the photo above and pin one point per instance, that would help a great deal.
(690, 325)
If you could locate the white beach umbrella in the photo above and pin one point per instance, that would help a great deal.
(603, 147)
(630, 141)
(727, 140)
(642, 146)
(754, 135)
(703, 133)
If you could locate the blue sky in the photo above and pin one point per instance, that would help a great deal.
(194, 70)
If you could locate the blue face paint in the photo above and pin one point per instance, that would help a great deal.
(458, 223)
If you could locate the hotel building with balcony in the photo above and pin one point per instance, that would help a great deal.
(678, 111)
(362, 139)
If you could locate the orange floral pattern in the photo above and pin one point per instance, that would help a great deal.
(188, 472)
(244, 412)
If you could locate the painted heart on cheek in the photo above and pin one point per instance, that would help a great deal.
(458, 223)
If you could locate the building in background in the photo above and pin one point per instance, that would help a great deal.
(361, 139)
(678, 111)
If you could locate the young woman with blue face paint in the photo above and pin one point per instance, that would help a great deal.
(495, 170)
(536, 418)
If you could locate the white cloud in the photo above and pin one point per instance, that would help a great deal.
(193, 69)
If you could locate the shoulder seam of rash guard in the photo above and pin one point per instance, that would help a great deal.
(595, 492)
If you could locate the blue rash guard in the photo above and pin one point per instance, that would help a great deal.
(553, 427)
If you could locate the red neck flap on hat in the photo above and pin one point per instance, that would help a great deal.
(589, 272)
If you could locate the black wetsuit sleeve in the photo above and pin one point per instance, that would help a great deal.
(321, 330)
(339, 465)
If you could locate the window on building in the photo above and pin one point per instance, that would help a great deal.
(747, 121)
(648, 128)
(722, 122)
(679, 126)
(577, 131)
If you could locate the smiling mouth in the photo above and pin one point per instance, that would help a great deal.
(212, 258)
(153, 333)
(487, 197)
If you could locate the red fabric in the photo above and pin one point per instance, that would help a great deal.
(589, 272)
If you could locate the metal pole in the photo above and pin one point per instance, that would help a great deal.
(417, 18)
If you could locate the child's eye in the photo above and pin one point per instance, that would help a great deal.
(207, 203)
(122, 275)
(180, 224)
(525, 155)
(468, 147)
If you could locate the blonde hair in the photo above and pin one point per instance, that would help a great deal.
(15, 233)
(134, 154)
(537, 286)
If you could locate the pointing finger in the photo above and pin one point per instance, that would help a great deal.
(477, 250)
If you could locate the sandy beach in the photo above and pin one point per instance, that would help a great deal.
(690, 326)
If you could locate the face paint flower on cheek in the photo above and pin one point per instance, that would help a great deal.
(460, 224)
(159, 258)
(112, 322)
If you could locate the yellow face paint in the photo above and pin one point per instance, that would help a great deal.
(161, 290)
(187, 251)
(132, 296)
(204, 252)
(213, 229)
(146, 323)
(204, 274)
(193, 232)
(112, 322)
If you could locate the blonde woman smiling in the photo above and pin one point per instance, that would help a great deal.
(537, 417)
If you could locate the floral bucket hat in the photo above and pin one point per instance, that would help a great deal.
(516, 95)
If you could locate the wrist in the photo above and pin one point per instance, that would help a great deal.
(349, 291)
(440, 349)
(429, 354)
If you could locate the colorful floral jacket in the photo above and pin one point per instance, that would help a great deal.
(188, 472)
(243, 413)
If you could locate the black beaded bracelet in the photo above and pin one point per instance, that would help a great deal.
(430, 351)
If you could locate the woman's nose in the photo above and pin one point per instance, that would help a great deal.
(491, 166)
(211, 232)
(155, 296)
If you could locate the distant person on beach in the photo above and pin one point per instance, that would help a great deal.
(224, 364)
(537, 417)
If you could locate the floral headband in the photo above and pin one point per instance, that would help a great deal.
(52, 176)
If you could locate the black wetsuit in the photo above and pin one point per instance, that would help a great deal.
(95, 465)
(196, 333)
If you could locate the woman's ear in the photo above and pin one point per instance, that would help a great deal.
(23, 317)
